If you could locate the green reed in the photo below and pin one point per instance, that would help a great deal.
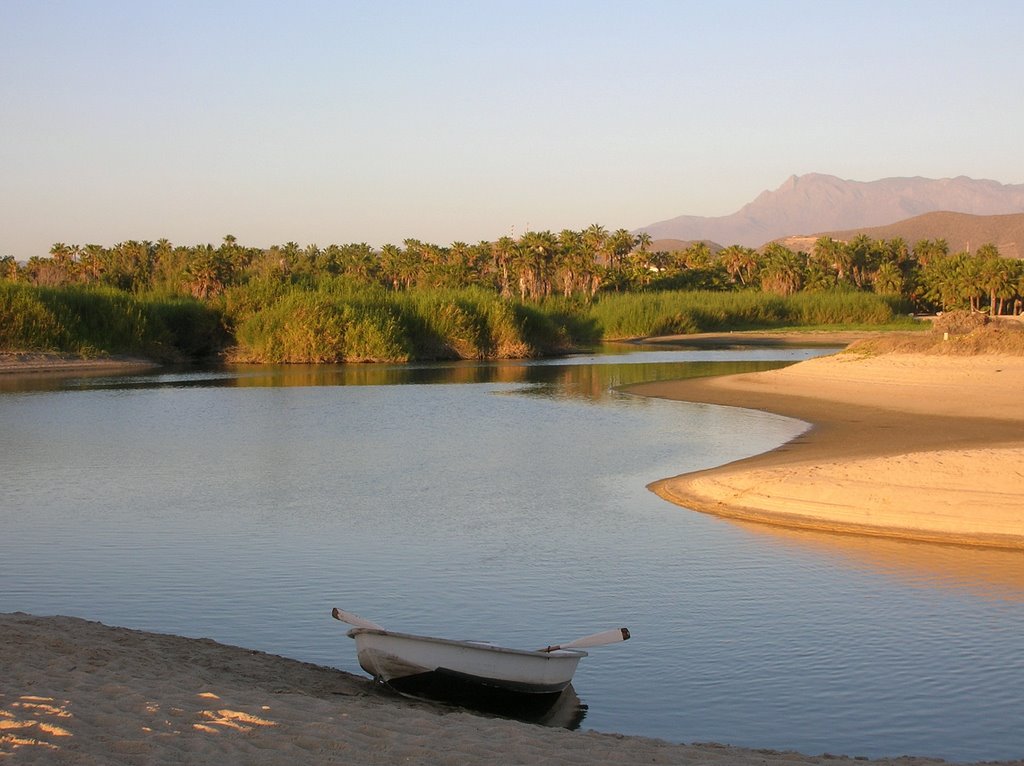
(629, 315)
(92, 320)
(336, 321)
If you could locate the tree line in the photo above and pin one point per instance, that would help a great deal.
(579, 265)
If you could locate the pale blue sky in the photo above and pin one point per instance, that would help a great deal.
(323, 122)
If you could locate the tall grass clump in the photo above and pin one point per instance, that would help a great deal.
(239, 302)
(374, 333)
(447, 324)
(629, 315)
(86, 321)
(184, 327)
(847, 307)
(93, 320)
(26, 322)
(335, 321)
(478, 324)
(572, 320)
(312, 327)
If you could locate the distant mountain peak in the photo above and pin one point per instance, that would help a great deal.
(819, 202)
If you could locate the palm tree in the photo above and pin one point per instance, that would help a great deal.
(575, 264)
(503, 253)
(943, 282)
(537, 251)
(995, 275)
(740, 263)
(888, 279)
(927, 250)
(64, 263)
(594, 238)
(206, 272)
(619, 244)
(395, 267)
(834, 255)
(782, 270)
(8, 268)
(697, 255)
(359, 261)
(91, 262)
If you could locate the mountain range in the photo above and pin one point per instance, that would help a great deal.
(817, 203)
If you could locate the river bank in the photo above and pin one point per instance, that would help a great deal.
(45, 362)
(78, 692)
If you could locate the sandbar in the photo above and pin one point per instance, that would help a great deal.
(911, 445)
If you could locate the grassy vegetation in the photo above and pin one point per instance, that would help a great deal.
(92, 321)
(630, 315)
(338, 320)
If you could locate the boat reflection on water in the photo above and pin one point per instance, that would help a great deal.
(562, 710)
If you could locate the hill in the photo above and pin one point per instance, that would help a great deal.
(960, 230)
(817, 203)
(675, 245)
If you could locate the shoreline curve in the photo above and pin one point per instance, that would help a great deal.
(912, 446)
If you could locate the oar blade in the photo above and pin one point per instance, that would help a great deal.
(354, 619)
(612, 636)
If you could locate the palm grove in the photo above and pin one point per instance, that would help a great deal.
(540, 293)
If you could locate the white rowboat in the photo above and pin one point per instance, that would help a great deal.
(423, 664)
(401, 659)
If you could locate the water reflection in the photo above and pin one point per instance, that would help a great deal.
(588, 381)
(986, 572)
(589, 375)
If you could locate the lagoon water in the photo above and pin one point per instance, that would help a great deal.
(504, 502)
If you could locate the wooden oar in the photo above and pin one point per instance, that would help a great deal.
(598, 639)
(354, 619)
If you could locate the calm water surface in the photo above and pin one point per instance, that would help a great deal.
(504, 502)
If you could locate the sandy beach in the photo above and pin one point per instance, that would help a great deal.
(914, 445)
(78, 692)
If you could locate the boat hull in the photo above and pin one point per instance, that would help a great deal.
(405, 660)
(558, 709)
